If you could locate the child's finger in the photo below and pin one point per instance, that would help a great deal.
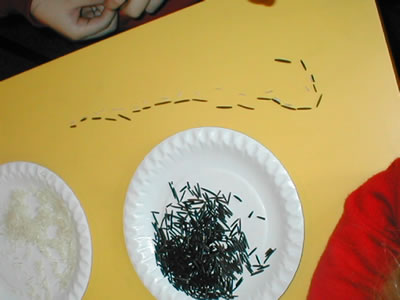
(84, 27)
(153, 6)
(111, 28)
(113, 4)
(134, 8)
(84, 3)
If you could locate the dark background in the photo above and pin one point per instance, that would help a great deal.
(390, 17)
(23, 46)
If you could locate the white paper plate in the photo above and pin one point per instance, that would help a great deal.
(226, 160)
(46, 219)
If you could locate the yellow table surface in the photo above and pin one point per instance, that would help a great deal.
(222, 51)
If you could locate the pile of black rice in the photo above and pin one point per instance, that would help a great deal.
(196, 247)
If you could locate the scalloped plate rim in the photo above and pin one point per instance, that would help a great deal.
(129, 206)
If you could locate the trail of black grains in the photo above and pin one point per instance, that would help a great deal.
(197, 249)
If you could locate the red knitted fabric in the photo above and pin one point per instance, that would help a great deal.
(361, 252)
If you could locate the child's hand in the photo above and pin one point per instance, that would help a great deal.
(88, 19)
(77, 19)
(134, 8)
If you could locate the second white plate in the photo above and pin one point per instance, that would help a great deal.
(45, 242)
(226, 160)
